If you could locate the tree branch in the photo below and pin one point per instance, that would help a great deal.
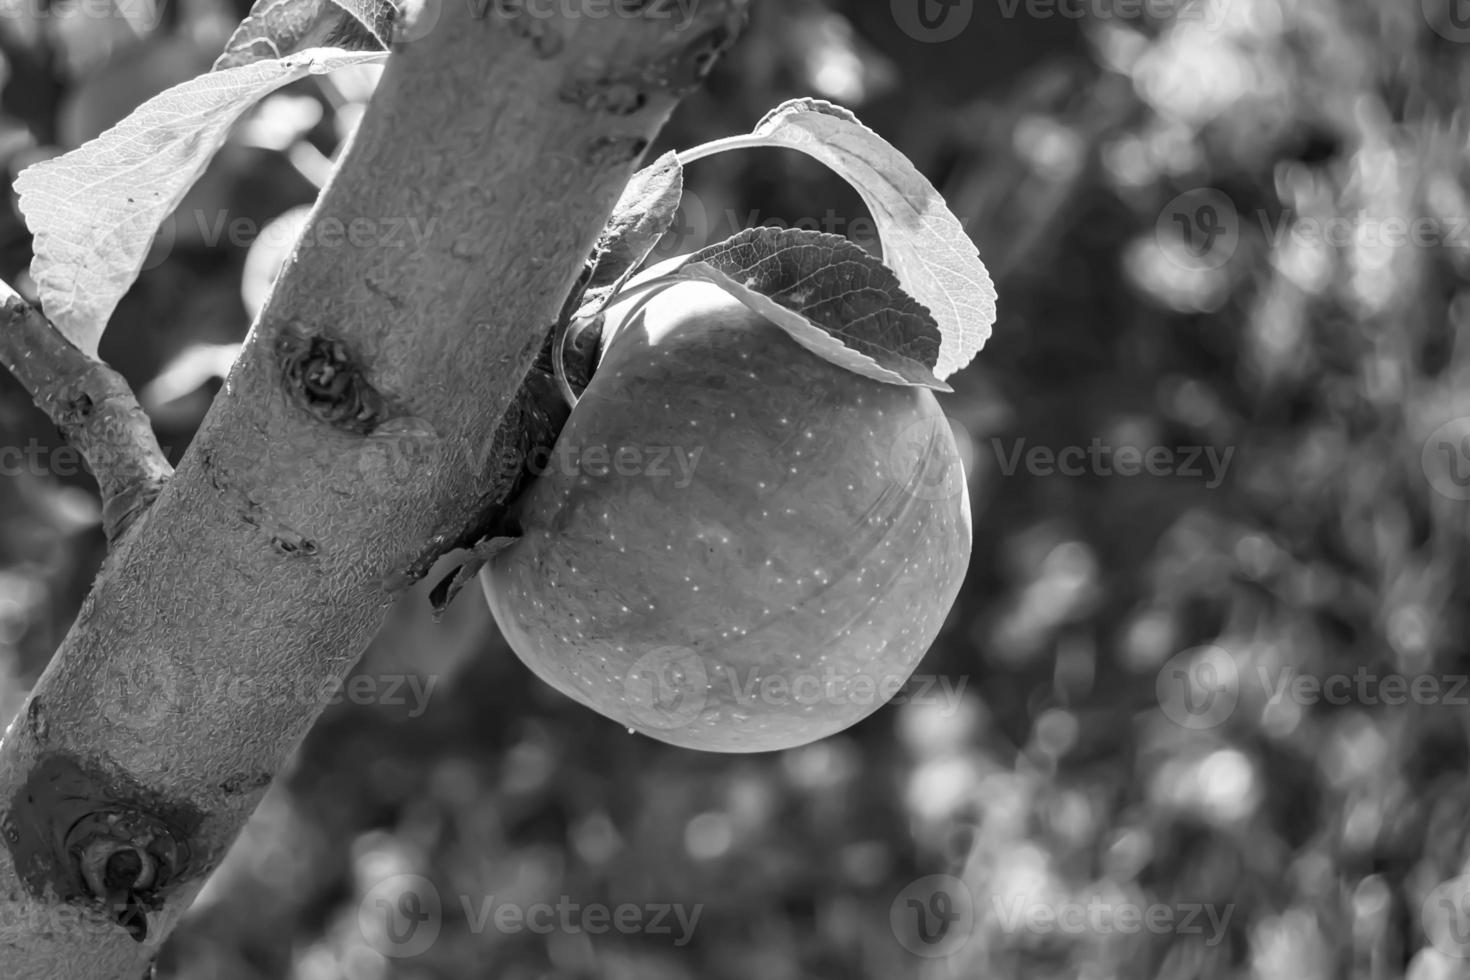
(369, 426)
(92, 406)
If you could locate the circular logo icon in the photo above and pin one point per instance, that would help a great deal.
(933, 917)
(1450, 19)
(1199, 229)
(1446, 458)
(401, 916)
(925, 461)
(933, 21)
(143, 694)
(500, 458)
(162, 245)
(396, 450)
(1198, 688)
(666, 688)
(1446, 917)
(414, 19)
(688, 232)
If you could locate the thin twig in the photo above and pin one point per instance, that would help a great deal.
(92, 405)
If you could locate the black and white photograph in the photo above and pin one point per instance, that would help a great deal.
(729, 489)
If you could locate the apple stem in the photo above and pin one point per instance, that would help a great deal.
(648, 285)
(559, 358)
(748, 142)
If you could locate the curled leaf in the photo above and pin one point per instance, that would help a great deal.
(832, 297)
(923, 241)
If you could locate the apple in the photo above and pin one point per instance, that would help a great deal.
(735, 546)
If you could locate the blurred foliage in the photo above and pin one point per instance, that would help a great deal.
(1315, 833)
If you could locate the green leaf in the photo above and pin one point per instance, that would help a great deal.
(832, 297)
(94, 211)
(923, 241)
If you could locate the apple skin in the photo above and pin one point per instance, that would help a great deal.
(779, 585)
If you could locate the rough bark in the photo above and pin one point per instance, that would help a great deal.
(369, 426)
(93, 407)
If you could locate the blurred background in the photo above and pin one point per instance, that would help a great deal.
(1201, 709)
